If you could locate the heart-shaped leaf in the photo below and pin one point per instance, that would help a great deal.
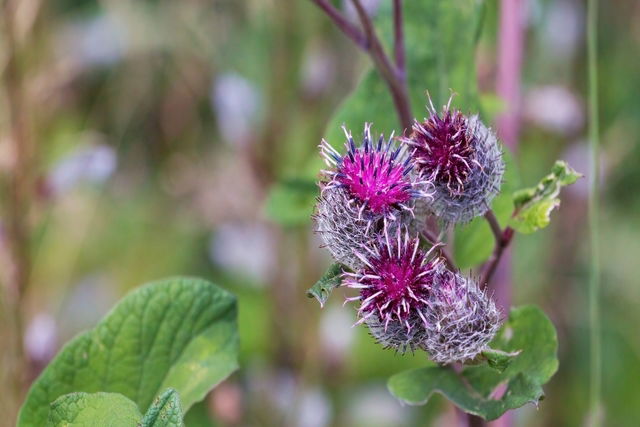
(483, 390)
(178, 333)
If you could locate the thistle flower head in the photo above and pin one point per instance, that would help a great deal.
(462, 158)
(376, 175)
(394, 286)
(462, 318)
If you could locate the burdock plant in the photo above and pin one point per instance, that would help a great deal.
(390, 211)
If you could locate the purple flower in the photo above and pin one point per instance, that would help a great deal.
(370, 185)
(409, 300)
(394, 284)
(376, 175)
(461, 156)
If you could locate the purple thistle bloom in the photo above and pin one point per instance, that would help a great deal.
(367, 187)
(461, 156)
(377, 175)
(394, 284)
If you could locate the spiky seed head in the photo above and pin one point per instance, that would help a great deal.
(463, 319)
(394, 287)
(377, 176)
(343, 229)
(462, 158)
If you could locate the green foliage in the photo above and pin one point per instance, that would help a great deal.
(113, 409)
(498, 359)
(96, 409)
(329, 280)
(474, 242)
(534, 205)
(475, 389)
(165, 411)
(290, 202)
(178, 333)
(440, 38)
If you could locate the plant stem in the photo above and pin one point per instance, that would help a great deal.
(398, 40)
(368, 41)
(593, 210)
(389, 73)
(350, 30)
(503, 238)
(494, 224)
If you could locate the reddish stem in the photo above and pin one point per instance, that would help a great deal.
(368, 41)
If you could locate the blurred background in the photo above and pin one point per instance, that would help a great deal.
(144, 139)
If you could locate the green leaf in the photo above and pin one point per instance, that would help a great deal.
(440, 39)
(476, 389)
(329, 280)
(97, 409)
(474, 242)
(165, 411)
(498, 359)
(290, 202)
(178, 333)
(533, 205)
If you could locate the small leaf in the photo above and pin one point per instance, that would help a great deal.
(533, 205)
(498, 359)
(95, 409)
(165, 411)
(329, 280)
(178, 333)
(482, 390)
(290, 202)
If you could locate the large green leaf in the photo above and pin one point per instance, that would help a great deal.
(534, 205)
(475, 390)
(178, 333)
(97, 409)
(440, 39)
(327, 283)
